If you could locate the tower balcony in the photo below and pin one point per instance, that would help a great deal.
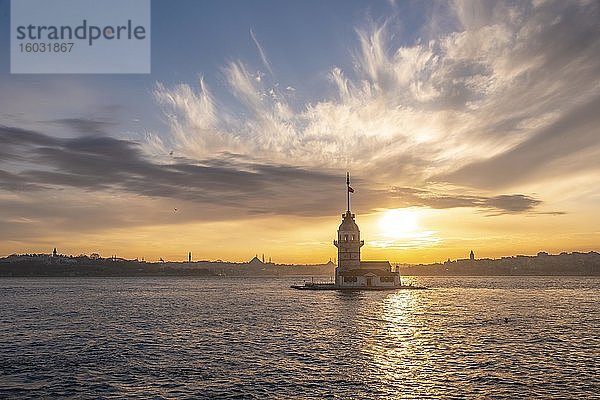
(348, 243)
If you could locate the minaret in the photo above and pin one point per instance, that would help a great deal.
(348, 240)
(472, 256)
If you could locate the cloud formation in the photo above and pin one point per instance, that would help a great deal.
(493, 97)
(411, 113)
(550, 148)
(263, 55)
(100, 163)
(86, 126)
(514, 203)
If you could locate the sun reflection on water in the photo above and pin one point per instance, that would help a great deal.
(402, 344)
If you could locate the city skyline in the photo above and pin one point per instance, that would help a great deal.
(464, 126)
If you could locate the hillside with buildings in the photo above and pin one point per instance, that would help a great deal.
(23, 265)
(541, 264)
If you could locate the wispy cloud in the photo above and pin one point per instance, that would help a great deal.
(263, 55)
(414, 240)
(420, 112)
(548, 150)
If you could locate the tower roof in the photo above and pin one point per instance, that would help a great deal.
(348, 223)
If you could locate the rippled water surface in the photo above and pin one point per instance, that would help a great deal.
(500, 337)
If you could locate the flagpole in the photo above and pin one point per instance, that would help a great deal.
(348, 189)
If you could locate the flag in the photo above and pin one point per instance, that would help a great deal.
(350, 189)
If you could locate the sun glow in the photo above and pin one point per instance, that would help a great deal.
(399, 223)
(404, 228)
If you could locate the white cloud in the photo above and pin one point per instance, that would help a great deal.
(413, 112)
(263, 55)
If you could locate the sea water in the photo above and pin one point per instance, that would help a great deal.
(475, 337)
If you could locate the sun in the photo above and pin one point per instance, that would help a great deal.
(399, 223)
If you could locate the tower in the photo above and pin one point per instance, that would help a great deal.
(348, 243)
(348, 240)
(471, 256)
(54, 252)
(351, 272)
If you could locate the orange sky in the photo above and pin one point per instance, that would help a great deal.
(428, 236)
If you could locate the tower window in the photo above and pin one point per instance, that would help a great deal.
(353, 236)
(346, 238)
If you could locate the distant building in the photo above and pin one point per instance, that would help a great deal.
(472, 256)
(256, 261)
(351, 271)
(54, 253)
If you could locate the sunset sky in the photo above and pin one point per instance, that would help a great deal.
(464, 125)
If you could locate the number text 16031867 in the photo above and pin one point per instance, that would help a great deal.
(43, 47)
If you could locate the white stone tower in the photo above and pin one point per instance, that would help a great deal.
(348, 240)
